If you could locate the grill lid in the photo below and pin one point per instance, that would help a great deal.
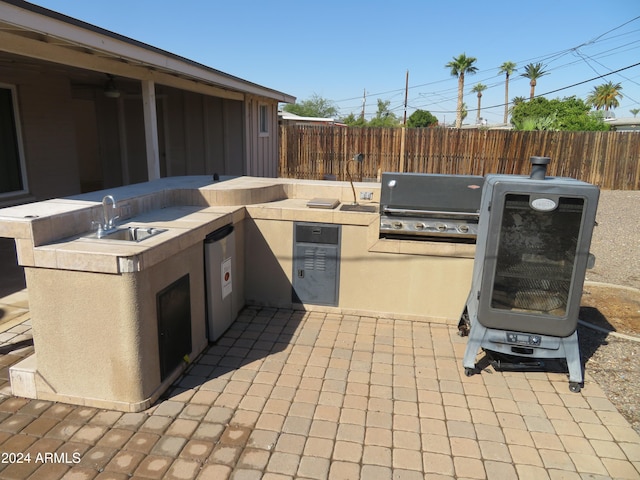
(422, 193)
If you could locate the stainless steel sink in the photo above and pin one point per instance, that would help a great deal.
(129, 234)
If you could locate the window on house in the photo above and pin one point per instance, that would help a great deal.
(11, 171)
(264, 120)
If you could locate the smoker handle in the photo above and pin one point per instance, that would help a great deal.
(406, 211)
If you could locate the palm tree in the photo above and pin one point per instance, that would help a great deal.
(515, 101)
(507, 68)
(460, 66)
(533, 72)
(605, 96)
(464, 112)
(634, 112)
(479, 88)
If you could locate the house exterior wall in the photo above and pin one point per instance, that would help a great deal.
(262, 147)
(87, 144)
(234, 144)
(76, 140)
(203, 135)
(48, 133)
(110, 142)
(135, 148)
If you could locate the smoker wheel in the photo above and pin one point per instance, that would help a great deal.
(470, 372)
(575, 387)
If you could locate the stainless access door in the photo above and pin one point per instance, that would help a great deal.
(316, 263)
(220, 272)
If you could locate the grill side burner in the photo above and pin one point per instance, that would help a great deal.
(429, 206)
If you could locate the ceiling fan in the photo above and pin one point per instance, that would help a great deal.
(110, 90)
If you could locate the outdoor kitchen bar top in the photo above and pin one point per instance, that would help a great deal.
(102, 293)
(53, 233)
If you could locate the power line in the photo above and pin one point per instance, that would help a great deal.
(591, 79)
(548, 58)
(604, 66)
(605, 33)
(553, 91)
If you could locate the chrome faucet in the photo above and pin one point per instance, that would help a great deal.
(109, 218)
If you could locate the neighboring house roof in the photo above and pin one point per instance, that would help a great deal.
(621, 124)
(292, 117)
(488, 126)
(30, 30)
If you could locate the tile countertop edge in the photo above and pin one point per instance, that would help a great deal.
(296, 210)
(117, 257)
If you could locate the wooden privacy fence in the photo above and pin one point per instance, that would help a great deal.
(610, 160)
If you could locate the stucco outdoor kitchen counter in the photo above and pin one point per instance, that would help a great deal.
(53, 233)
(185, 226)
(56, 233)
(111, 289)
(296, 210)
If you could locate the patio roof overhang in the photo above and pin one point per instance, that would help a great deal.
(30, 31)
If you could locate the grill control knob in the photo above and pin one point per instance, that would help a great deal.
(463, 228)
(397, 225)
(420, 226)
(441, 227)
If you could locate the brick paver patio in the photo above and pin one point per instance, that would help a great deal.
(290, 394)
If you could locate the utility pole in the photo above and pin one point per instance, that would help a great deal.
(406, 95)
(404, 123)
(364, 101)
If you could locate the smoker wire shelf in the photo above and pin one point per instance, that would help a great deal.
(533, 270)
(532, 284)
(535, 294)
(537, 300)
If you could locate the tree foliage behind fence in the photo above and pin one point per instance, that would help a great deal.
(610, 160)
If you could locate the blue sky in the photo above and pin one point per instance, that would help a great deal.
(340, 49)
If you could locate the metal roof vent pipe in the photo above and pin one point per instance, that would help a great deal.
(539, 167)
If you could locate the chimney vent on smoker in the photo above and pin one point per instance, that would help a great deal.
(539, 167)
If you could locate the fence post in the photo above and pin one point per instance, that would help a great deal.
(402, 140)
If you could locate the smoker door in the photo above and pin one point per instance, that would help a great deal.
(535, 260)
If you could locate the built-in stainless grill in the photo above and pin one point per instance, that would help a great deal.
(430, 206)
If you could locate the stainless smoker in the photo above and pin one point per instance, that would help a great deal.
(532, 252)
